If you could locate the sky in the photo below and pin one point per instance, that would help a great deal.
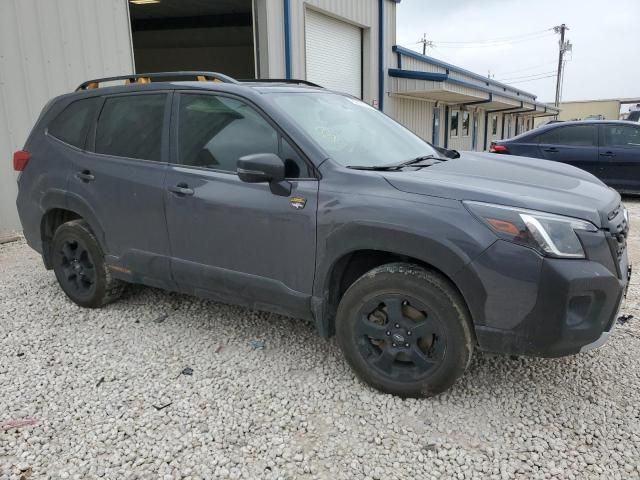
(512, 39)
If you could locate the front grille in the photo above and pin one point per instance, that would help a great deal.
(618, 228)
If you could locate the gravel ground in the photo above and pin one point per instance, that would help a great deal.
(166, 386)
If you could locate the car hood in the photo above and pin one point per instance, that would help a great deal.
(515, 181)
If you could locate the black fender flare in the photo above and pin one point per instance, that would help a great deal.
(443, 254)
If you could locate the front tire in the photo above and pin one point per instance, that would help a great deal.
(78, 263)
(405, 330)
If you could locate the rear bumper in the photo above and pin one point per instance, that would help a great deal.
(525, 304)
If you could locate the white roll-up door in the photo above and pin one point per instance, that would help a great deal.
(334, 53)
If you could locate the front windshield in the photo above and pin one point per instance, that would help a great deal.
(351, 132)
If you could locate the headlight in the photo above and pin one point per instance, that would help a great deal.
(552, 235)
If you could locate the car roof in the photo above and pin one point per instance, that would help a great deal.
(588, 122)
(246, 87)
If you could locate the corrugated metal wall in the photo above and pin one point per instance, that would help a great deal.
(416, 115)
(363, 13)
(48, 48)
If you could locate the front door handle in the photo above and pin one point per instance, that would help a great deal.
(607, 154)
(85, 176)
(182, 190)
(551, 150)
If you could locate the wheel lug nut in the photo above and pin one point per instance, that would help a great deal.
(393, 345)
(409, 332)
(388, 333)
(406, 345)
(397, 325)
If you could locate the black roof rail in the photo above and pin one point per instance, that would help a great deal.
(282, 80)
(147, 77)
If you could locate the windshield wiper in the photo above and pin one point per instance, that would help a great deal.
(422, 158)
(398, 166)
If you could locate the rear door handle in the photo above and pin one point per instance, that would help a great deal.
(551, 150)
(182, 190)
(85, 176)
(607, 154)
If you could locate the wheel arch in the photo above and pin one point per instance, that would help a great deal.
(338, 268)
(58, 213)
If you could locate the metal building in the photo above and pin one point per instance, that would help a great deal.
(344, 45)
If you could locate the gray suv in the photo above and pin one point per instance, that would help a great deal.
(286, 197)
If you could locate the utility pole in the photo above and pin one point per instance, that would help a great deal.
(563, 48)
(425, 43)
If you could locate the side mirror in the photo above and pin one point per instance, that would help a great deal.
(261, 168)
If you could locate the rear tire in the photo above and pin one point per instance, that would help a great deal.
(405, 330)
(78, 263)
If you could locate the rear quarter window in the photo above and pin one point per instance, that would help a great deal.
(72, 124)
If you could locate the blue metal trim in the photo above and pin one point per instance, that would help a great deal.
(430, 76)
(486, 129)
(399, 61)
(446, 126)
(287, 38)
(381, 65)
(439, 63)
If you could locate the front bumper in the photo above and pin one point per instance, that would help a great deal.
(526, 304)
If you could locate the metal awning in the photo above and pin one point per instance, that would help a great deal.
(439, 87)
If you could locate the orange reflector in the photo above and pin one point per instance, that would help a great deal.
(503, 226)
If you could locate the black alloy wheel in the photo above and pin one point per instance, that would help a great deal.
(78, 268)
(78, 263)
(405, 330)
(399, 337)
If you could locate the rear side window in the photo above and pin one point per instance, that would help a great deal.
(131, 126)
(581, 135)
(621, 136)
(72, 124)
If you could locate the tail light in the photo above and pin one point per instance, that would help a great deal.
(20, 160)
(497, 148)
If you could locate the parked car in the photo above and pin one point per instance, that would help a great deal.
(293, 199)
(610, 150)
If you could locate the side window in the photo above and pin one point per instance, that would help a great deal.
(465, 124)
(71, 125)
(581, 135)
(215, 131)
(622, 136)
(294, 165)
(131, 126)
(454, 123)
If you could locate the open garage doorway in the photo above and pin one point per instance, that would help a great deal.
(204, 35)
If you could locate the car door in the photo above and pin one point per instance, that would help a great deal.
(118, 184)
(250, 244)
(576, 145)
(620, 153)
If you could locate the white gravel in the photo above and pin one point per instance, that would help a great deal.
(89, 381)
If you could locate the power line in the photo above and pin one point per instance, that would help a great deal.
(521, 77)
(532, 67)
(496, 40)
(531, 79)
(494, 44)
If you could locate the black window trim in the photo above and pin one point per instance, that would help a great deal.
(90, 143)
(173, 135)
(595, 136)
